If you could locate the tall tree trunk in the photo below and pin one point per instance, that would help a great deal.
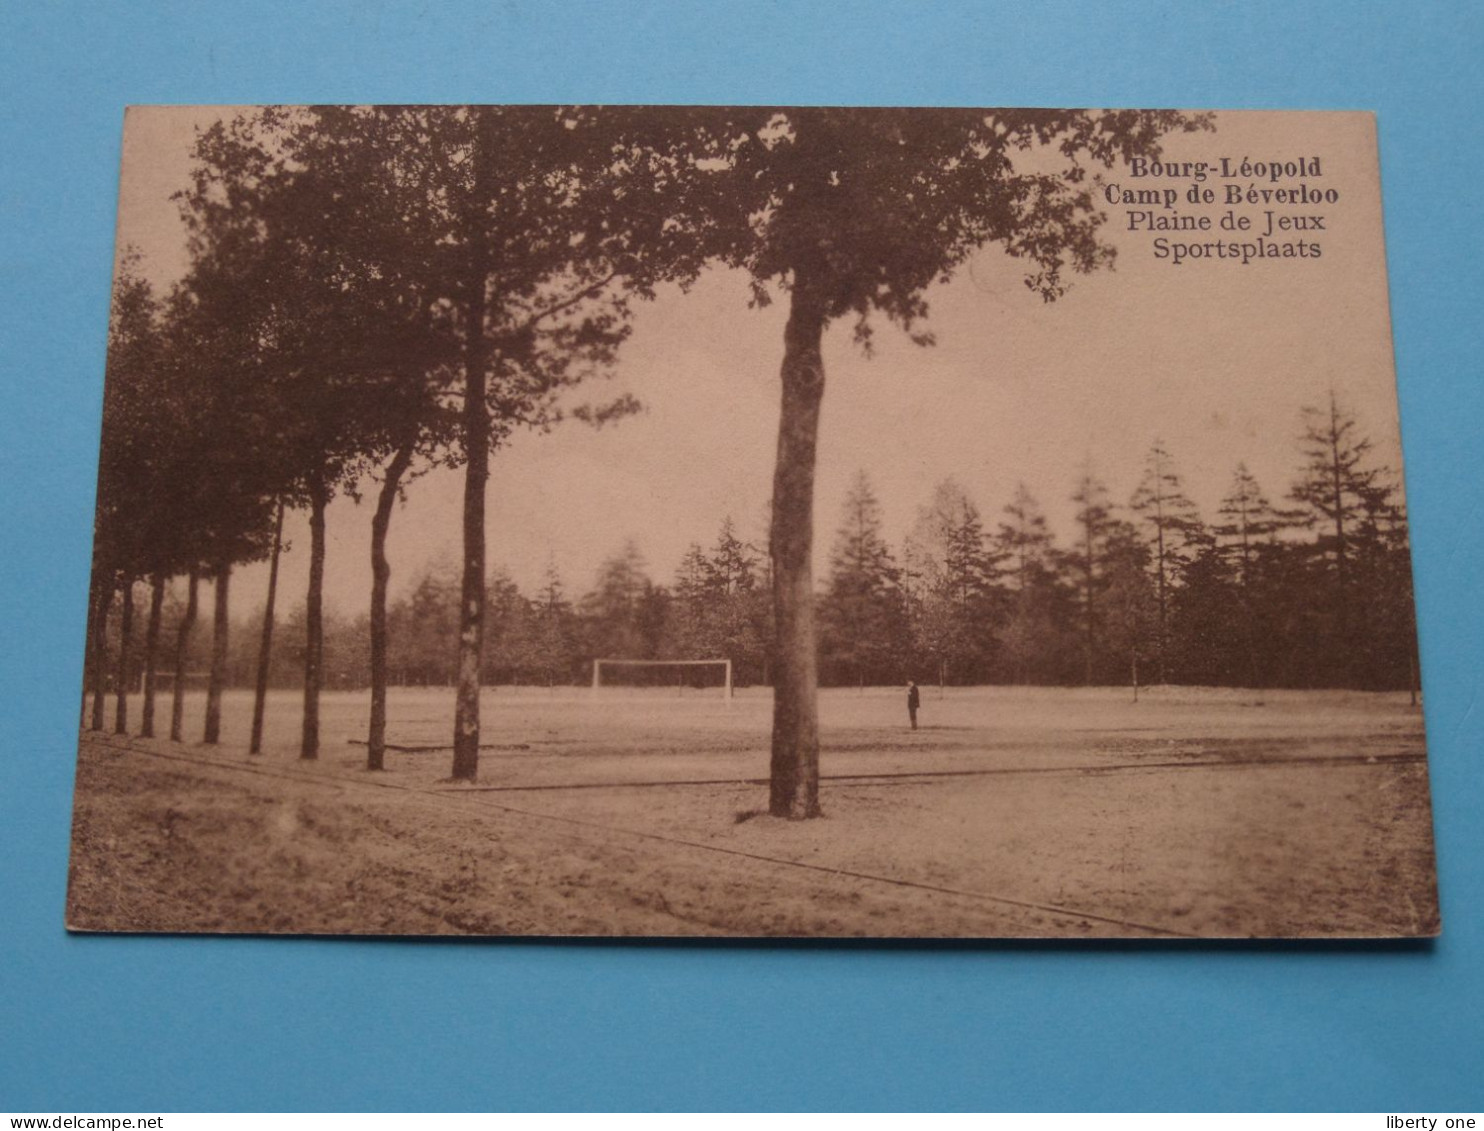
(1345, 648)
(476, 474)
(1249, 637)
(471, 604)
(1090, 637)
(314, 617)
(381, 573)
(104, 599)
(794, 783)
(151, 652)
(265, 645)
(1159, 669)
(87, 657)
(126, 630)
(1412, 679)
(182, 650)
(218, 677)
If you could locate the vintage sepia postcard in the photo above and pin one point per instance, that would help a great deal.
(656, 521)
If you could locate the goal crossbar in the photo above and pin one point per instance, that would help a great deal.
(725, 665)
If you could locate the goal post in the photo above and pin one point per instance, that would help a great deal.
(637, 667)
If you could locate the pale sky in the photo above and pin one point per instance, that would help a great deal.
(1214, 357)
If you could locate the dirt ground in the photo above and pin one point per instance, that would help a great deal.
(1011, 813)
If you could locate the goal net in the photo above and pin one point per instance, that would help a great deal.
(683, 678)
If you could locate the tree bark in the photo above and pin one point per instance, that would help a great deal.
(1159, 513)
(87, 657)
(1412, 675)
(218, 676)
(121, 678)
(314, 618)
(1346, 650)
(265, 645)
(794, 783)
(104, 600)
(182, 648)
(151, 650)
(381, 573)
(1090, 638)
(476, 424)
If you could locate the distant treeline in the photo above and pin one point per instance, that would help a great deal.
(372, 292)
(1314, 593)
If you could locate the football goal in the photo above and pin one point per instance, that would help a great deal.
(676, 677)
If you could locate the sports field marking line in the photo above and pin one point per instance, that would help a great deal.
(429, 748)
(119, 742)
(867, 876)
(908, 776)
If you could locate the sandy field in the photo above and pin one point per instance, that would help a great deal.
(1010, 813)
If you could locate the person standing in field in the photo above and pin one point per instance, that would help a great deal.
(914, 700)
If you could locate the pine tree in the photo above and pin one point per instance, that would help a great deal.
(1248, 523)
(731, 575)
(954, 599)
(853, 212)
(732, 567)
(610, 612)
(1241, 581)
(1086, 563)
(1383, 593)
(863, 630)
(1174, 532)
(494, 248)
(1338, 487)
(423, 627)
(1130, 607)
(505, 613)
(553, 627)
(1030, 638)
(690, 634)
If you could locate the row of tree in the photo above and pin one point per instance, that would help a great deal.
(717, 608)
(1315, 593)
(375, 289)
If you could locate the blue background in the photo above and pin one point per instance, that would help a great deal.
(233, 1024)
